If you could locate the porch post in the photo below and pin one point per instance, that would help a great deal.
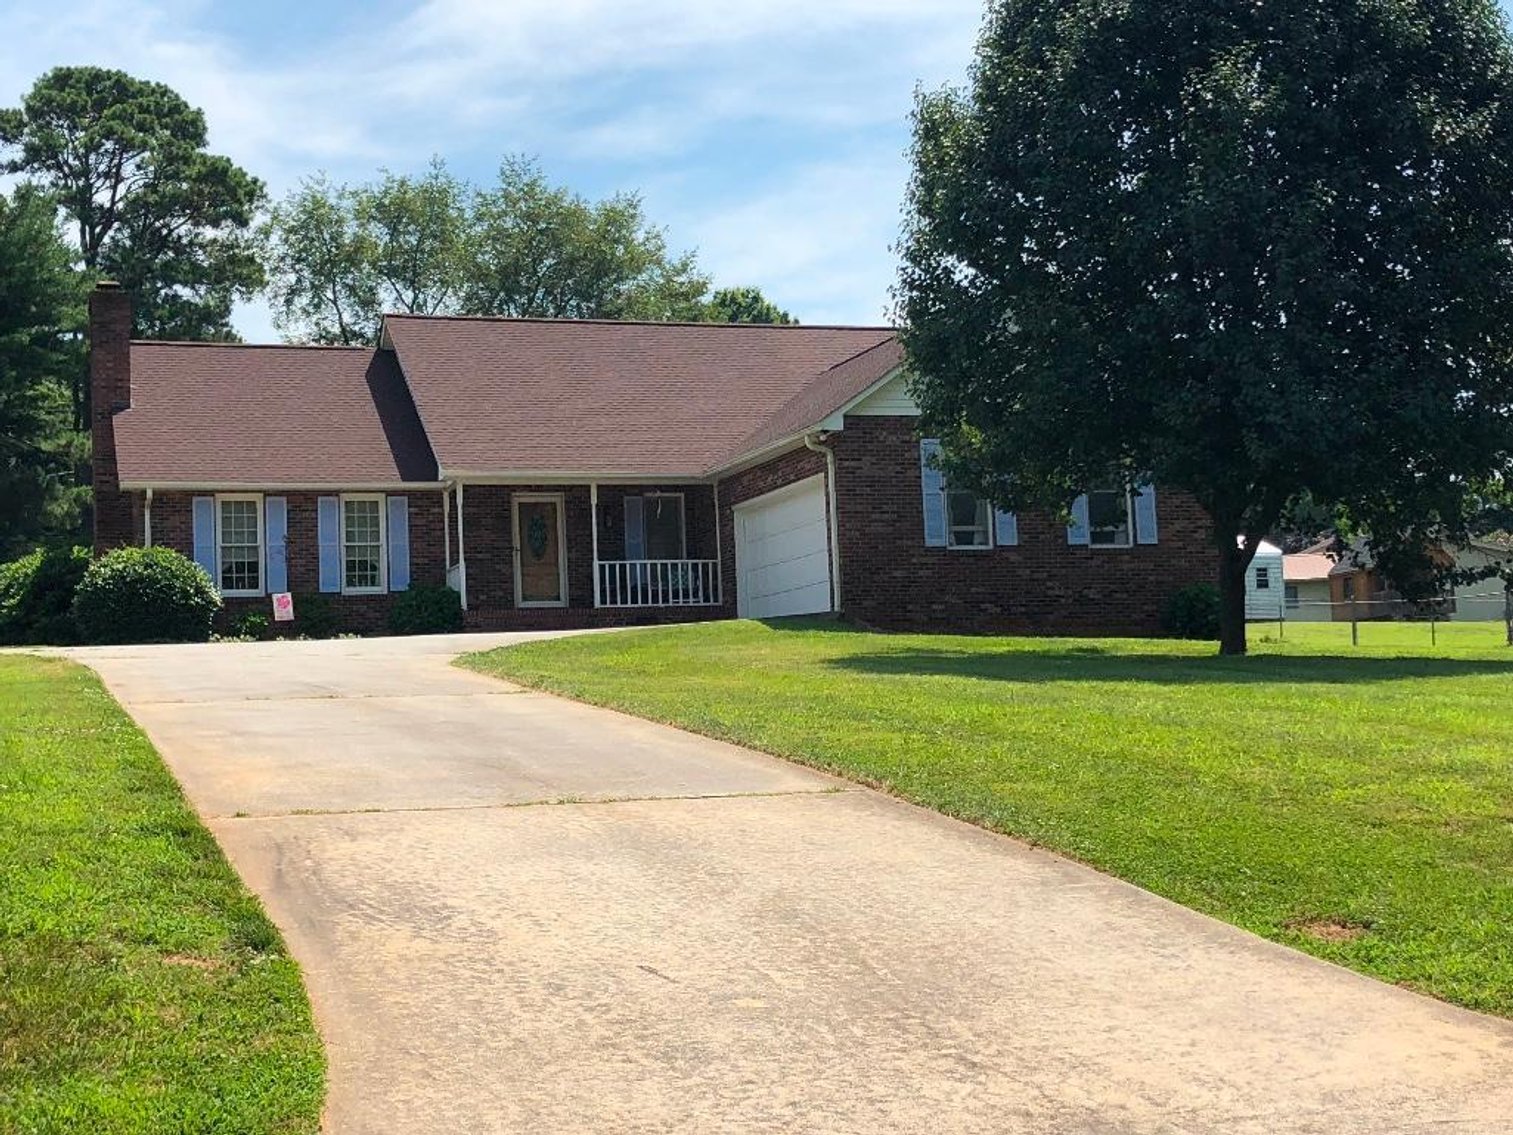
(593, 512)
(147, 519)
(462, 556)
(719, 548)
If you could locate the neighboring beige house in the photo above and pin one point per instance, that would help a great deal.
(1306, 576)
(1355, 584)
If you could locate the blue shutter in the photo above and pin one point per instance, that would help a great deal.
(399, 543)
(276, 532)
(932, 489)
(204, 536)
(1005, 529)
(635, 528)
(1145, 514)
(328, 535)
(1079, 531)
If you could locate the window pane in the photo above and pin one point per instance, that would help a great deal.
(968, 518)
(1108, 516)
(241, 556)
(1263, 579)
(664, 528)
(362, 544)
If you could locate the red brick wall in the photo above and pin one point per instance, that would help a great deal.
(173, 527)
(110, 391)
(890, 579)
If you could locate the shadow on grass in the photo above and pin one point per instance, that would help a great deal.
(1099, 664)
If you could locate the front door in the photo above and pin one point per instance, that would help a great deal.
(540, 563)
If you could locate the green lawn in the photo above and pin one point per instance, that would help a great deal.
(1355, 803)
(141, 987)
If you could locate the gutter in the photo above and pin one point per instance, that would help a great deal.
(812, 442)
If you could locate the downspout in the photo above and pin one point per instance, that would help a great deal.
(810, 442)
(147, 520)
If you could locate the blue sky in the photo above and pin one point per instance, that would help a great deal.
(767, 134)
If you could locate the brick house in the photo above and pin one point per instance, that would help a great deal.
(582, 473)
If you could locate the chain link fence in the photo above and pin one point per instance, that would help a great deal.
(1453, 614)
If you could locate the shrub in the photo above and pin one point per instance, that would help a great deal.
(37, 595)
(1193, 612)
(252, 624)
(314, 617)
(145, 595)
(426, 610)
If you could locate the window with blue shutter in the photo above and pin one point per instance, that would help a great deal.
(1078, 532)
(328, 537)
(276, 528)
(932, 487)
(203, 514)
(1005, 529)
(399, 543)
(1146, 531)
(635, 528)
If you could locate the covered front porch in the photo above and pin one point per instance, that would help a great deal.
(598, 552)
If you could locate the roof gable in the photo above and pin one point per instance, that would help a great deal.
(527, 397)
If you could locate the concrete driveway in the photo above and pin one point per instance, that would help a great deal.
(520, 914)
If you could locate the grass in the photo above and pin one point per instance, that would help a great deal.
(1354, 803)
(142, 989)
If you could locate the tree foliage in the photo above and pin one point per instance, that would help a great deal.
(126, 161)
(744, 305)
(340, 256)
(41, 301)
(1251, 250)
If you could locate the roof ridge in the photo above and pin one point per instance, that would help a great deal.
(253, 346)
(567, 320)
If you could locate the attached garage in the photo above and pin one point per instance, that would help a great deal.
(782, 551)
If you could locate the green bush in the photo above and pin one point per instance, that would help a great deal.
(1193, 612)
(252, 624)
(37, 595)
(145, 595)
(426, 610)
(314, 617)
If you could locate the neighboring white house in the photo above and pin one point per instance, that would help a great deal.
(1306, 579)
(1264, 591)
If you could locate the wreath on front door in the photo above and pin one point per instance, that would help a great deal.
(536, 535)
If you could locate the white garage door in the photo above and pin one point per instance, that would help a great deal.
(782, 552)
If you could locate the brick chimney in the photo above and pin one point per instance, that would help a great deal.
(109, 393)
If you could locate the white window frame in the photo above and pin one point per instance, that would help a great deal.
(983, 505)
(262, 548)
(383, 543)
(1263, 577)
(1129, 520)
(682, 523)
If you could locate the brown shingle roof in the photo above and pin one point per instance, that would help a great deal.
(820, 398)
(565, 396)
(229, 414)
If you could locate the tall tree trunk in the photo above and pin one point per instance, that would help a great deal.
(1233, 563)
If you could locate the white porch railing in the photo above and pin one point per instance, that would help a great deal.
(658, 583)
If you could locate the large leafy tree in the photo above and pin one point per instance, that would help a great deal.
(540, 249)
(1253, 250)
(126, 161)
(41, 297)
(340, 256)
